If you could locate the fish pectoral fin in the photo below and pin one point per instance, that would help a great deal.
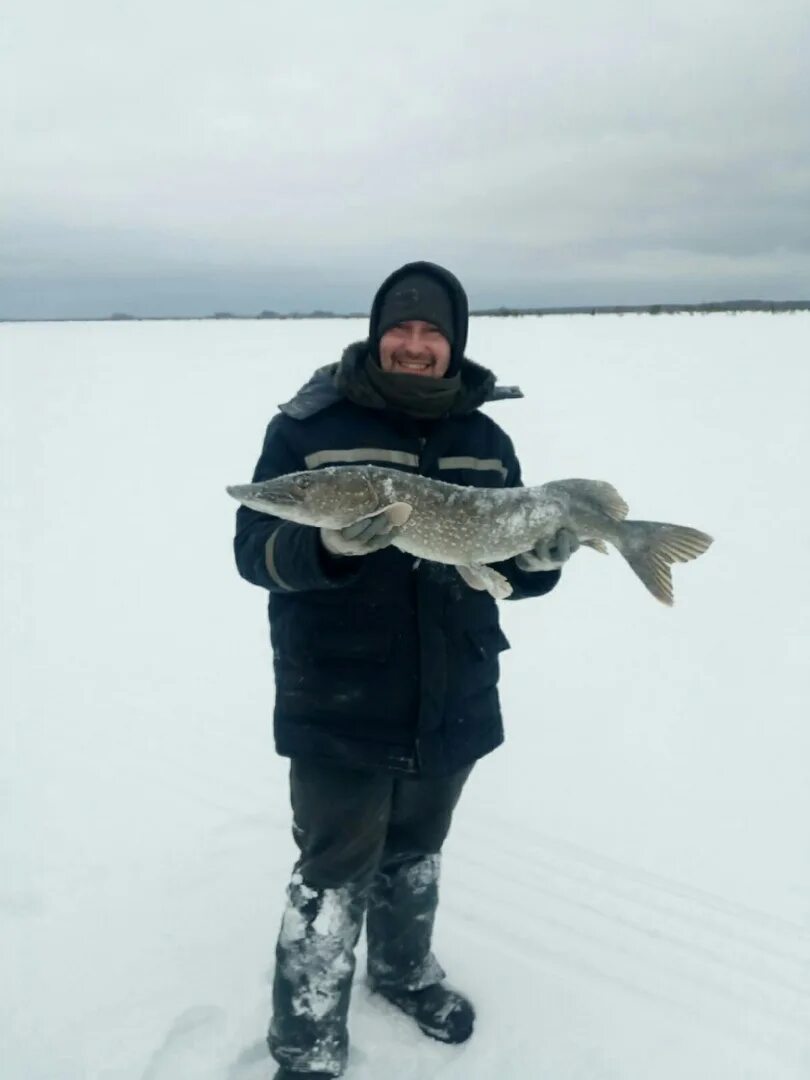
(484, 579)
(397, 513)
(597, 545)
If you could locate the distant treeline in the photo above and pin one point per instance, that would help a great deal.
(710, 308)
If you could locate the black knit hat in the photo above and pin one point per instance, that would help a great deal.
(422, 290)
(417, 296)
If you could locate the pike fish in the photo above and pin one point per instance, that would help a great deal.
(471, 527)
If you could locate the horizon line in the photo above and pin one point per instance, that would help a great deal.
(502, 311)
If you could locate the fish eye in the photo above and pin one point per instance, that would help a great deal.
(304, 481)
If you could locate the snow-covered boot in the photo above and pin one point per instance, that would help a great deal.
(313, 979)
(440, 1012)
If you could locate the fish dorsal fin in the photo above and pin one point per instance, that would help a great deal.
(600, 492)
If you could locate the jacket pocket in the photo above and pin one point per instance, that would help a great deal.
(487, 641)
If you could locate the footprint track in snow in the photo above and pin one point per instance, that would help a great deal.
(725, 917)
(661, 925)
(620, 939)
(735, 934)
(191, 1047)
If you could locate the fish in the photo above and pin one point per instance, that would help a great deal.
(472, 527)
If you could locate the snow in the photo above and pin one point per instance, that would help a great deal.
(626, 887)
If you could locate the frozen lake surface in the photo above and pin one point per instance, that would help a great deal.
(626, 891)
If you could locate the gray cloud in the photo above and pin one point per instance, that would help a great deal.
(176, 156)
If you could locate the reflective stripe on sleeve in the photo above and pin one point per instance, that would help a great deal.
(269, 559)
(481, 464)
(360, 453)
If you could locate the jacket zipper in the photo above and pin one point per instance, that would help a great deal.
(417, 742)
(422, 440)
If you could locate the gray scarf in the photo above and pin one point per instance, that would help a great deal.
(361, 380)
(415, 395)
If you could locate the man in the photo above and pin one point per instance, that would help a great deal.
(386, 669)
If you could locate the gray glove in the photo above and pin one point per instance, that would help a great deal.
(360, 538)
(549, 554)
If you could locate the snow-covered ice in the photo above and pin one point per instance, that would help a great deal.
(626, 889)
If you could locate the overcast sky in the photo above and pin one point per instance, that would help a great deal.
(190, 157)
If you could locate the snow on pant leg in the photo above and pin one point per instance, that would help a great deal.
(340, 818)
(404, 893)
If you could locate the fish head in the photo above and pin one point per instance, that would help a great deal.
(329, 498)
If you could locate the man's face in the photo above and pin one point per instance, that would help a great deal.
(415, 348)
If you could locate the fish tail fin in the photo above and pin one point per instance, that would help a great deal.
(651, 547)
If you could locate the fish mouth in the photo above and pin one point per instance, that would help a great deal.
(267, 492)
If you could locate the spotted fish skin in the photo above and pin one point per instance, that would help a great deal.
(472, 527)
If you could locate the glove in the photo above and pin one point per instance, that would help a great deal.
(549, 554)
(361, 537)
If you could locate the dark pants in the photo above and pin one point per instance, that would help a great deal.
(369, 843)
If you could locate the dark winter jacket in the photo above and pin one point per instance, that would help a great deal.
(380, 660)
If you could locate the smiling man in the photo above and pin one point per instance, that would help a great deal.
(414, 347)
(386, 670)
